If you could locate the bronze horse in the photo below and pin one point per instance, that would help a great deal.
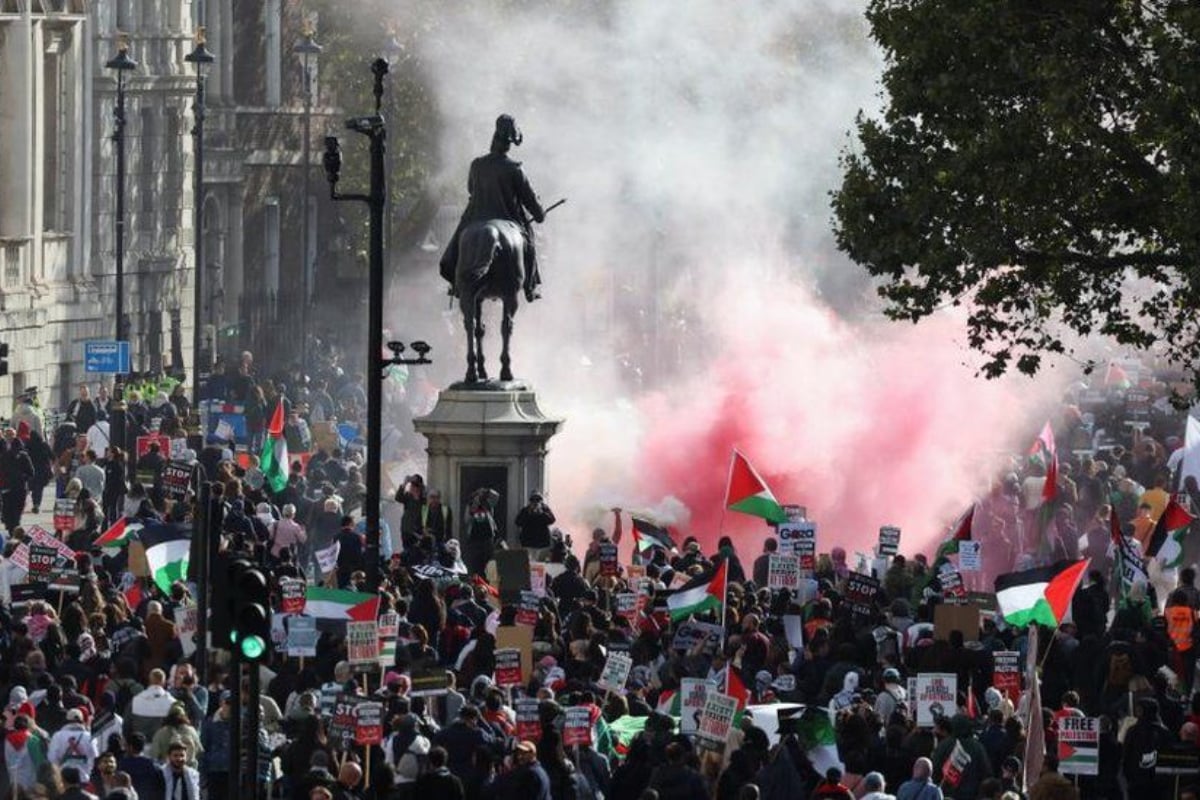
(491, 259)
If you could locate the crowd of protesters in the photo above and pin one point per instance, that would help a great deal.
(101, 697)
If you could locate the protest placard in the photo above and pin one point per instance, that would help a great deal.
(185, 628)
(529, 721)
(936, 696)
(343, 723)
(690, 633)
(368, 723)
(41, 562)
(794, 513)
(968, 556)
(512, 573)
(143, 443)
(577, 726)
(428, 680)
(783, 571)
(609, 566)
(799, 539)
(861, 591)
(956, 763)
(537, 578)
(302, 636)
(626, 605)
(362, 644)
(616, 672)
(178, 449)
(717, 718)
(1006, 673)
(693, 694)
(520, 637)
(176, 479)
(793, 629)
(1079, 745)
(64, 579)
(388, 625)
(64, 515)
(528, 607)
(634, 573)
(292, 593)
(25, 593)
(508, 667)
(889, 541)
(953, 590)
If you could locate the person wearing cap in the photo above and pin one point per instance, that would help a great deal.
(891, 695)
(528, 779)
(72, 745)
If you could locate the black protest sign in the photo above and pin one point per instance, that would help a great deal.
(889, 541)
(343, 724)
(609, 566)
(176, 478)
(41, 562)
(24, 593)
(861, 591)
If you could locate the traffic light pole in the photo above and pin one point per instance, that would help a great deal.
(253, 718)
(235, 739)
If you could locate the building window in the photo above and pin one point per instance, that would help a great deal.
(148, 150)
(274, 51)
(55, 163)
(173, 189)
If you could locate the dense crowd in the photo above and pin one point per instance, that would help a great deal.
(102, 697)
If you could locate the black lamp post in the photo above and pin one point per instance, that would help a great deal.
(372, 127)
(122, 63)
(203, 59)
(307, 49)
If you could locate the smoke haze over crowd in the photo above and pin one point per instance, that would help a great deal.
(697, 142)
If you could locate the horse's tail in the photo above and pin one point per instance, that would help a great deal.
(477, 249)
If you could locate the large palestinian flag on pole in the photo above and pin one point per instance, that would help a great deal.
(119, 534)
(699, 598)
(962, 533)
(168, 547)
(274, 460)
(1042, 595)
(749, 493)
(647, 535)
(1166, 543)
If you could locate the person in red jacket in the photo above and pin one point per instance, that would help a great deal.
(832, 788)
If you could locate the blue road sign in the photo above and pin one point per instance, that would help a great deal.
(106, 356)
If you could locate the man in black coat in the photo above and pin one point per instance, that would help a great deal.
(438, 782)
(533, 522)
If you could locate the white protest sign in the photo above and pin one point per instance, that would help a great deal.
(783, 571)
(693, 695)
(537, 578)
(717, 717)
(937, 696)
(889, 541)
(302, 636)
(185, 627)
(362, 644)
(616, 672)
(799, 539)
(1079, 745)
(968, 556)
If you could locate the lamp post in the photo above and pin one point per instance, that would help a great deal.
(122, 63)
(306, 48)
(393, 51)
(202, 58)
(372, 127)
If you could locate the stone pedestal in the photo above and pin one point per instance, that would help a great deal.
(492, 437)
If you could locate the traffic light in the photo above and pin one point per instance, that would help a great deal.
(251, 629)
(3, 359)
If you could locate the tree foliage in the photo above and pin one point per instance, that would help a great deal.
(1037, 161)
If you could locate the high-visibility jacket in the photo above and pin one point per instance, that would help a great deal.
(1180, 622)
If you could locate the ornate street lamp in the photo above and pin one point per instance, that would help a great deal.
(203, 58)
(308, 50)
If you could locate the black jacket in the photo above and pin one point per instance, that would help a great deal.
(534, 524)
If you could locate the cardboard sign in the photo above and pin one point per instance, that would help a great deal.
(292, 595)
(947, 618)
(626, 605)
(1079, 745)
(185, 626)
(799, 539)
(362, 644)
(64, 515)
(302, 636)
(693, 696)
(520, 637)
(529, 721)
(616, 672)
(368, 723)
(537, 578)
(508, 667)
(783, 571)
(861, 591)
(609, 566)
(512, 573)
(689, 634)
(717, 717)
(577, 726)
(343, 724)
(528, 609)
(889, 541)
(176, 480)
(1006, 673)
(968, 556)
(936, 696)
(41, 562)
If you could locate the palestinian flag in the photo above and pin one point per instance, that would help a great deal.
(735, 687)
(699, 598)
(749, 493)
(168, 547)
(962, 533)
(1166, 543)
(119, 534)
(1040, 595)
(341, 605)
(274, 459)
(647, 535)
(670, 702)
(133, 596)
(814, 726)
(1045, 451)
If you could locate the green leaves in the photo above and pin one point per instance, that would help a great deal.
(1038, 162)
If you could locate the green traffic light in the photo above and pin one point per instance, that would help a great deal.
(253, 647)
(233, 637)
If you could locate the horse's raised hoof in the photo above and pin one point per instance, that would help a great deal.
(506, 374)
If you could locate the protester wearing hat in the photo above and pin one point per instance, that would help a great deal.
(72, 745)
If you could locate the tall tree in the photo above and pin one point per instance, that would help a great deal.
(1039, 162)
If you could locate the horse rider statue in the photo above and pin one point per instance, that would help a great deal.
(499, 190)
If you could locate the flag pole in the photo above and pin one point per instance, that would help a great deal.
(725, 504)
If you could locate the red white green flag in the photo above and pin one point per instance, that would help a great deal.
(1166, 543)
(119, 534)
(698, 599)
(749, 493)
(274, 460)
(1042, 595)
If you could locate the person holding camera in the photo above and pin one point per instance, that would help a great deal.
(412, 497)
(533, 524)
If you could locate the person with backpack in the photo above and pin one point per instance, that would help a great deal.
(921, 787)
(408, 753)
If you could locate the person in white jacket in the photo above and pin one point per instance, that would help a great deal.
(72, 745)
(180, 782)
